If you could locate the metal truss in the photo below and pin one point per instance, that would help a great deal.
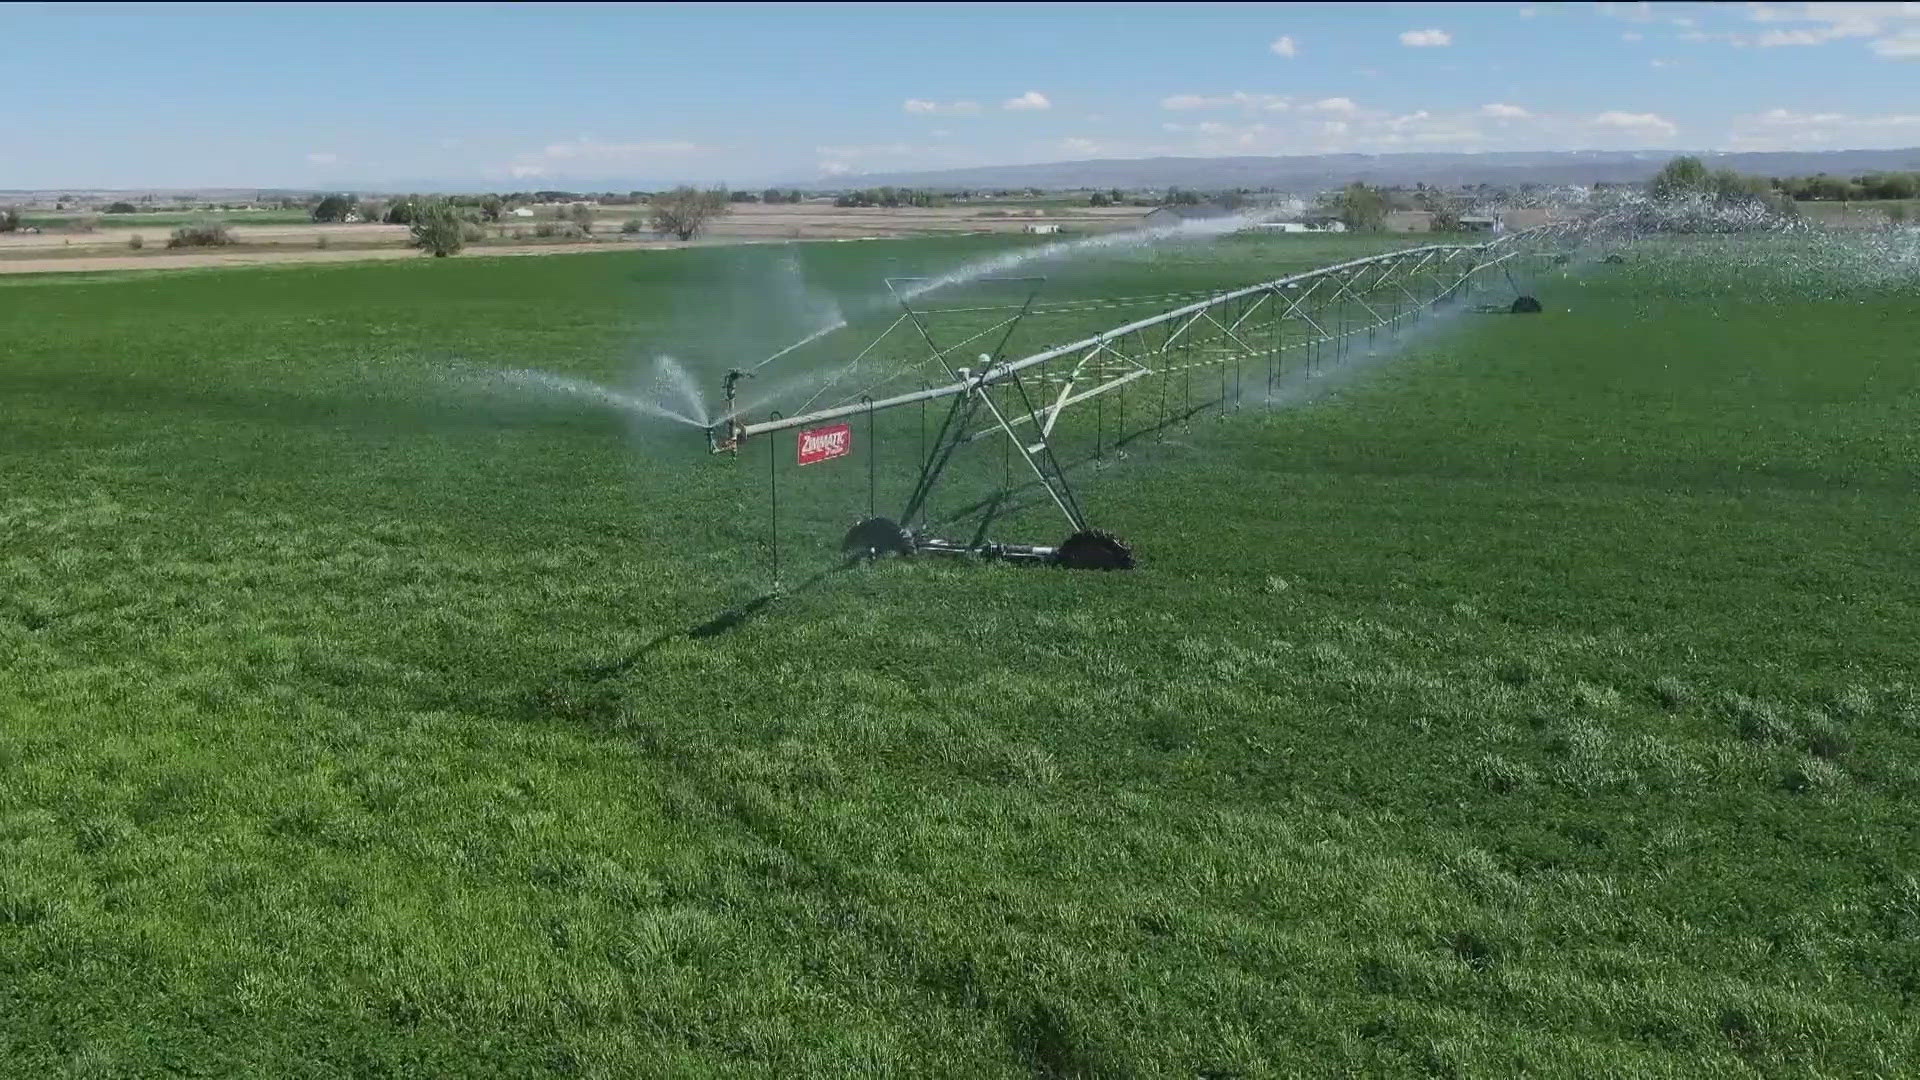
(1023, 399)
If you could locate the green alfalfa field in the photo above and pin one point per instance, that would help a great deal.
(1541, 702)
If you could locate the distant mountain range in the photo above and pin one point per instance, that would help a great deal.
(1319, 171)
(1300, 174)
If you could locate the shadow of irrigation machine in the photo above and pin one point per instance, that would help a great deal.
(1290, 329)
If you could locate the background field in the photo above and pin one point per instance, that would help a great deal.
(277, 236)
(1861, 214)
(1541, 703)
(168, 218)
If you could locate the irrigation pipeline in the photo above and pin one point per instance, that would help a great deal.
(1356, 281)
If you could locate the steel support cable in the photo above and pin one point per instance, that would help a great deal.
(852, 365)
(940, 356)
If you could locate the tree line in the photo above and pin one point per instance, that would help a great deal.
(444, 225)
(1826, 188)
(1688, 178)
(885, 196)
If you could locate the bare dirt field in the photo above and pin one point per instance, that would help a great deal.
(107, 248)
(95, 261)
(797, 221)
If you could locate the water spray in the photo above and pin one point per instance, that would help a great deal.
(1022, 399)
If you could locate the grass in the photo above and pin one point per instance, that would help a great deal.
(1542, 704)
(1877, 211)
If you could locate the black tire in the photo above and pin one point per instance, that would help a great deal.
(876, 537)
(1525, 305)
(1094, 549)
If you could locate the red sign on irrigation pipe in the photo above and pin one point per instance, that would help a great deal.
(826, 443)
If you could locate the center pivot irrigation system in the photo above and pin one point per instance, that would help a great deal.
(1285, 330)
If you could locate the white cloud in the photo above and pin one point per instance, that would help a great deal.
(870, 150)
(1838, 20)
(322, 158)
(937, 108)
(1902, 46)
(1775, 38)
(1031, 101)
(1350, 127)
(617, 153)
(1890, 30)
(1786, 129)
(1647, 13)
(586, 156)
(1659, 63)
(1296, 134)
(1079, 147)
(1239, 98)
(1284, 46)
(1649, 125)
(1426, 39)
(880, 157)
(1633, 35)
(1640, 12)
(1529, 12)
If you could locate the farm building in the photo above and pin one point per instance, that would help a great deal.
(1161, 217)
(1527, 218)
(1039, 228)
(1409, 221)
(520, 212)
(1313, 226)
(1479, 223)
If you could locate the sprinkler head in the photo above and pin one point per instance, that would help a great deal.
(725, 436)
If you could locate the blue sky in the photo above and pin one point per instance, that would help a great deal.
(522, 96)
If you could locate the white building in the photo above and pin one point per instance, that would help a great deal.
(1299, 226)
(1042, 229)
